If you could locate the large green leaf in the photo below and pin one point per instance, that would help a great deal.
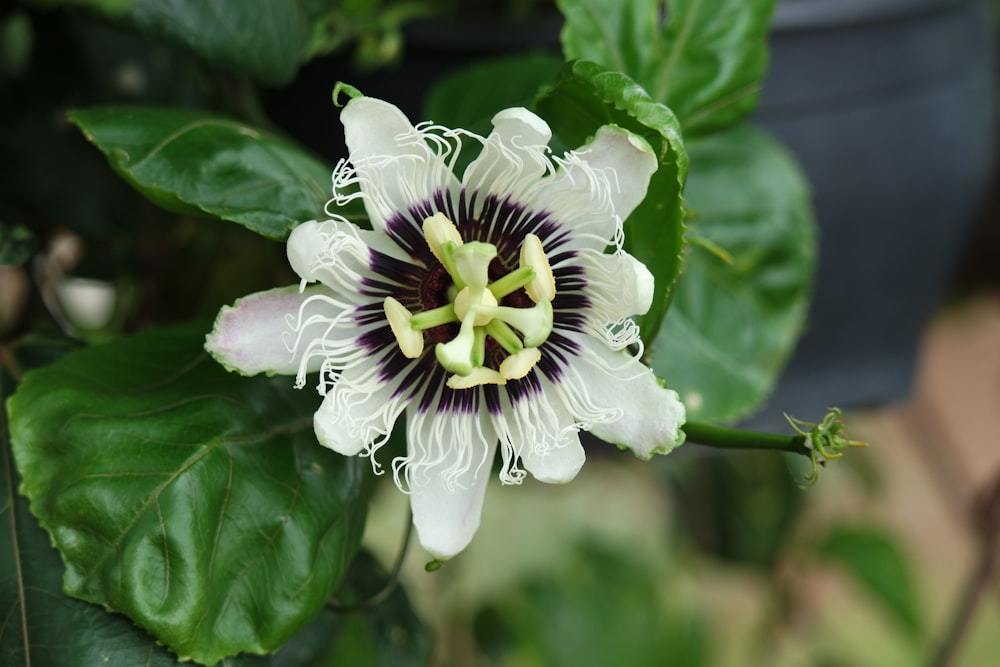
(195, 501)
(734, 319)
(588, 96)
(199, 164)
(266, 39)
(43, 627)
(472, 96)
(706, 62)
(876, 562)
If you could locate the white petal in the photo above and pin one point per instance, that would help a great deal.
(358, 411)
(558, 465)
(543, 433)
(514, 155)
(651, 416)
(629, 157)
(338, 254)
(395, 165)
(618, 285)
(598, 186)
(448, 470)
(250, 336)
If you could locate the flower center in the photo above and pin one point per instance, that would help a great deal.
(474, 302)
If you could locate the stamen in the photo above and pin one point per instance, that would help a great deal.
(438, 230)
(518, 365)
(448, 262)
(475, 303)
(543, 286)
(428, 319)
(479, 346)
(512, 281)
(411, 342)
(503, 334)
(478, 376)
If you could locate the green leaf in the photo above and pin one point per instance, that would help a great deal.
(732, 325)
(706, 63)
(43, 626)
(472, 96)
(877, 563)
(622, 35)
(193, 163)
(195, 501)
(266, 39)
(589, 96)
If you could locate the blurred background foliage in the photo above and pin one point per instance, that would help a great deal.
(714, 559)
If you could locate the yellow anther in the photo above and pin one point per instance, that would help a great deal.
(518, 365)
(411, 342)
(438, 230)
(543, 286)
(478, 376)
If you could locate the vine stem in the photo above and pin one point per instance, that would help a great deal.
(391, 581)
(722, 437)
(986, 518)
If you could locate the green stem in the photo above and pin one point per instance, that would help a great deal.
(723, 437)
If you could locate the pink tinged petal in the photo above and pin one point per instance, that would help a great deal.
(514, 155)
(447, 470)
(651, 416)
(598, 186)
(359, 411)
(338, 254)
(250, 337)
(394, 163)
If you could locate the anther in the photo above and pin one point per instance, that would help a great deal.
(411, 342)
(518, 365)
(543, 286)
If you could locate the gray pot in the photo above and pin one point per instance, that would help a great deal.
(890, 107)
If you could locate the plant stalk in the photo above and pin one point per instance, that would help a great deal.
(722, 437)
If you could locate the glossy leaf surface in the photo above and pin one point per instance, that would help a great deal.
(266, 39)
(43, 627)
(589, 96)
(195, 501)
(741, 300)
(195, 163)
(705, 62)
